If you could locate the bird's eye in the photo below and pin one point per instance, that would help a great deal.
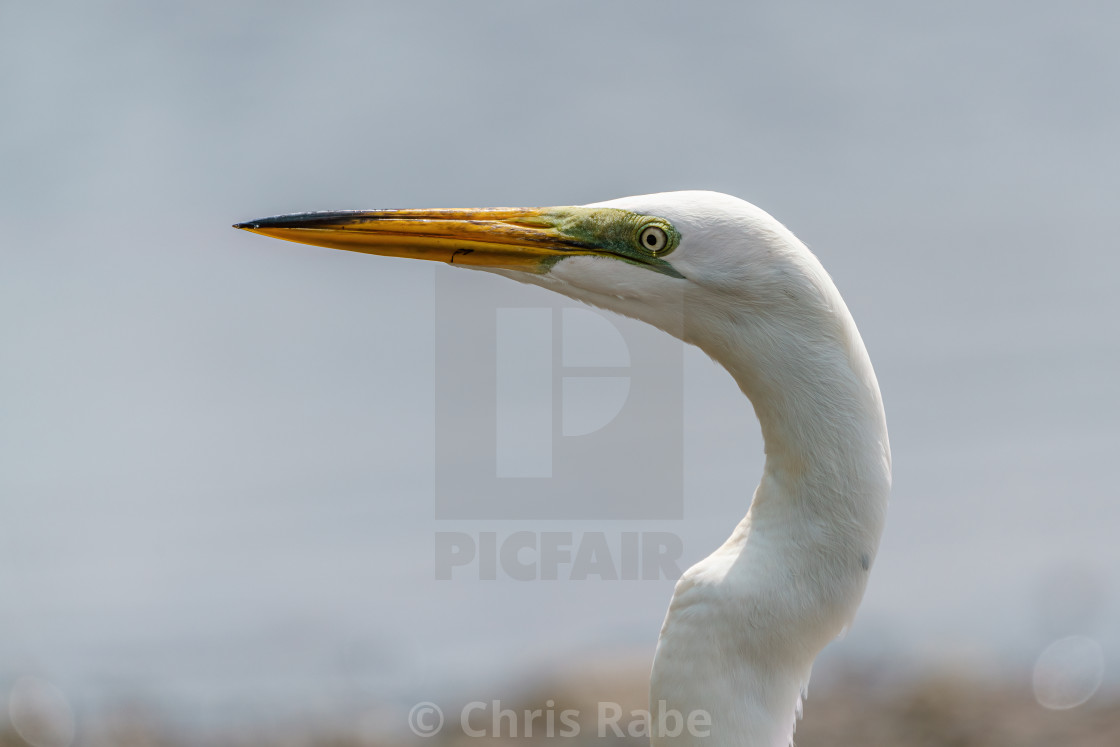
(653, 239)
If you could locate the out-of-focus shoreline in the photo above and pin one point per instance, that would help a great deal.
(855, 707)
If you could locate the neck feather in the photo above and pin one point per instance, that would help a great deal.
(746, 623)
(818, 404)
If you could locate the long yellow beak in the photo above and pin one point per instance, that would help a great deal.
(525, 239)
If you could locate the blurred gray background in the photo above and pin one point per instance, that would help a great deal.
(216, 450)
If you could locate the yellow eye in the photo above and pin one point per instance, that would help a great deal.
(653, 239)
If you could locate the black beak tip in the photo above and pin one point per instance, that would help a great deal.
(319, 219)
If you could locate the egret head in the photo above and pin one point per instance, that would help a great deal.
(660, 258)
(746, 623)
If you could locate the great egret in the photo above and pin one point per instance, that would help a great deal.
(744, 624)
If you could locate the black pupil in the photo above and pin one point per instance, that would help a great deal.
(651, 238)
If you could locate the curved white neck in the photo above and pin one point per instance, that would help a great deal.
(746, 623)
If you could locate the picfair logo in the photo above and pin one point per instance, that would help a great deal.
(546, 409)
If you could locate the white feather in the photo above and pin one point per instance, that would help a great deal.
(746, 623)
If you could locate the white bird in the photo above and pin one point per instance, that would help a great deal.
(744, 624)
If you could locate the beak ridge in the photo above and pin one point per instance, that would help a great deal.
(510, 238)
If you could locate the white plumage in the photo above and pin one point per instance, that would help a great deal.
(745, 623)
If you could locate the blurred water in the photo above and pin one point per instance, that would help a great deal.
(216, 471)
